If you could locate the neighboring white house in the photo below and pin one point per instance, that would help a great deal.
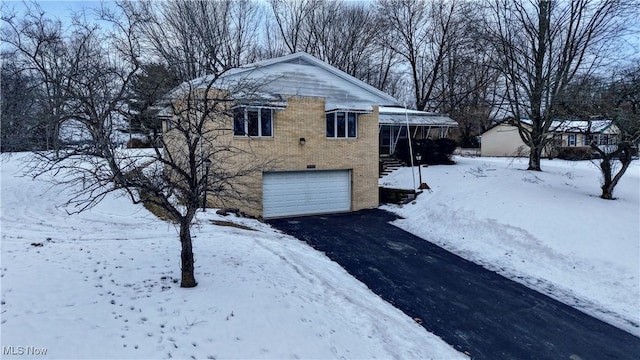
(503, 138)
(581, 133)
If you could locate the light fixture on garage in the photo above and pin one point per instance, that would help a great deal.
(302, 141)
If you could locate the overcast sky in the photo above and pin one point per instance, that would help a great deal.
(57, 8)
(63, 10)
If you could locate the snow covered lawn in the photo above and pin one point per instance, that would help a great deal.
(103, 284)
(548, 230)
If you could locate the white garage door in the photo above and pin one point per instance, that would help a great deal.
(305, 192)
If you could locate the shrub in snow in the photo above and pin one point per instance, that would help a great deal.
(575, 153)
(138, 143)
(434, 152)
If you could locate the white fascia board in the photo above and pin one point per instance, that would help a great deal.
(401, 110)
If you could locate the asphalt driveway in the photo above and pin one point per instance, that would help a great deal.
(475, 310)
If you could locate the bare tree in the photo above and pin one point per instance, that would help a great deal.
(292, 16)
(344, 35)
(191, 161)
(467, 86)
(613, 164)
(38, 53)
(183, 165)
(20, 115)
(540, 46)
(195, 38)
(341, 33)
(274, 44)
(383, 71)
(625, 93)
(616, 98)
(425, 35)
(476, 107)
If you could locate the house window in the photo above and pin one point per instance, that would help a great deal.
(603, 139)
(571, 140)
(253, 121)
(342, 124)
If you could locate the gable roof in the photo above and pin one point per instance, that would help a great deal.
(299, 74)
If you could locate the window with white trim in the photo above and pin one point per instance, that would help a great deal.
(253, 121)
(342, 124)
(604, 139)
(571, 140)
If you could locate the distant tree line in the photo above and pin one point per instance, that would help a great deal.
(474, 60)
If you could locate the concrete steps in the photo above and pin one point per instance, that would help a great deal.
(388, 164)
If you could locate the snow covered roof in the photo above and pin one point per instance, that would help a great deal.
(577, 126)
(400, 116)
(582, 126)
(298, 74)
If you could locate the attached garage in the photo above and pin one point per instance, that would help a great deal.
(292, 193)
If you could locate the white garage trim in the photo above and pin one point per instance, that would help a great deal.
(293, 193)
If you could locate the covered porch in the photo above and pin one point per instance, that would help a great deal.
(396, 124)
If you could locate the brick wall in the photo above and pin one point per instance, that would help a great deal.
(305, 118)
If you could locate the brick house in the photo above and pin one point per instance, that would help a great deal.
(316, 126)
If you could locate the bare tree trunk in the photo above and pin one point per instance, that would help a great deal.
(534, 158)
(609, 179)
(188, 277)
(607, 184)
